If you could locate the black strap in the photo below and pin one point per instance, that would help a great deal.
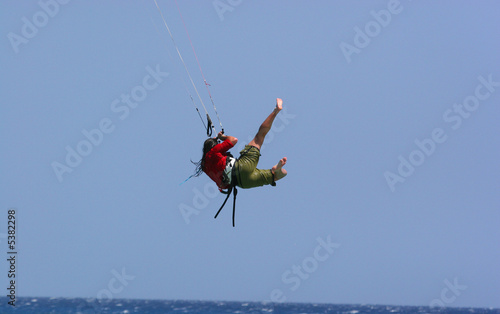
(209, 126)
(227, 197)
(274, 181)
(234, 203)
(231, 189)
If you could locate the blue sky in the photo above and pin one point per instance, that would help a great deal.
(390, 128)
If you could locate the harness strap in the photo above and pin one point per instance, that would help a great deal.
(227, 197)
(234, 203)
(231, 189)
(274, 181)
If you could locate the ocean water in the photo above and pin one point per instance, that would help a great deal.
(90, 306)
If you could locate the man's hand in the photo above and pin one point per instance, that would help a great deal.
(223, 137)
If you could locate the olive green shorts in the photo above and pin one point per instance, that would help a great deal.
(248, 176)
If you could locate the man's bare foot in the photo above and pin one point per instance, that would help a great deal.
(279, 104)
(279, 172)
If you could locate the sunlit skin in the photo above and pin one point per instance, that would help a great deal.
(258, 141)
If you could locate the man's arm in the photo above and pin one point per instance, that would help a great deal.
(223, 137)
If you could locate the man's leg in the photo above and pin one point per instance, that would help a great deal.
(278, 171)
(266, 125)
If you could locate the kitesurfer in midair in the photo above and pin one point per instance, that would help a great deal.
(225, 170)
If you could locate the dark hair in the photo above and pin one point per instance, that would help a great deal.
(200, 165)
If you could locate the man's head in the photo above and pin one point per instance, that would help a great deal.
(208, 145)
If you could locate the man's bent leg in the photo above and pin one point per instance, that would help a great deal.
(278, 171)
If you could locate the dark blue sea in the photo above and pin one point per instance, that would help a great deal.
(91, 306)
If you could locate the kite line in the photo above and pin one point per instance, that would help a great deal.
(209, 126)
